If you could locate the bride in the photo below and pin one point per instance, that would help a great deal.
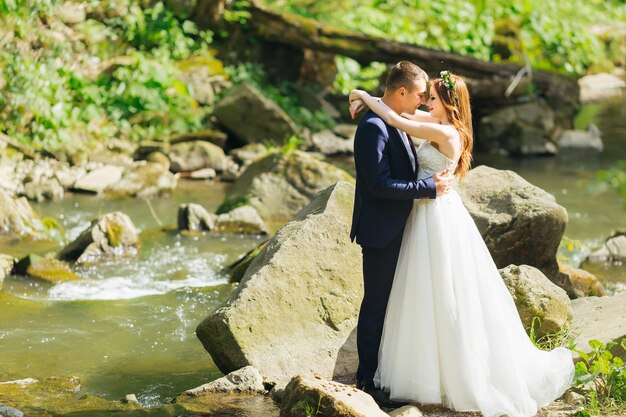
(452, 334)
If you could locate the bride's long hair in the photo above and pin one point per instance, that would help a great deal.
(456, 101)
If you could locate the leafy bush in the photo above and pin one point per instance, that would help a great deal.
(553, 35)
(55, 89)
(606, 374)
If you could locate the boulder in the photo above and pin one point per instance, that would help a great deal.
(279, 185)
(53, 271)
(195, 155)
(406, 411)
(6, 266)
(253, 118)
(328, 143)
(203, 75)
(6, 411)
(585, 140)
(248, 153)
(143, 179)
(613, 251)
(310, 273)
(148, 147)
(598, 87)
(47, 189)
(536, 296)
(99, 179)
(523, 129)
(242, 220)
(585, 283)
(600, 318)
(17, 217)
(344, 130)
(58, 397)
(194, 217)
(203, 174)
(314, 396)
(112, 234)
(159, 158)
(208, 135)
(246, 379)
(520, 223)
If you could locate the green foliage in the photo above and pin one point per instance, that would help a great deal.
(351, 75)
(308, 406)
(292, 144)
(238, 12)
(562, 338)
(553, 35)
(606, 374)
(231, 204)
(54, 94)
(613, 178)
(284, 94)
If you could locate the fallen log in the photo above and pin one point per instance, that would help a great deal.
(488, 81)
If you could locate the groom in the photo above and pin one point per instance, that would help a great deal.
(386, 185)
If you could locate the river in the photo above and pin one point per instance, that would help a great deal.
(128, 326)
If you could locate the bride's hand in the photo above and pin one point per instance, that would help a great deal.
(355, 107)
(355, 95)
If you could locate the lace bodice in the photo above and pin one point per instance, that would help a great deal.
(431, 161)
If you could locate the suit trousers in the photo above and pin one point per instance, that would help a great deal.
(379, 267)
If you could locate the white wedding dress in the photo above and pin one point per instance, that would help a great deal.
(452, 333)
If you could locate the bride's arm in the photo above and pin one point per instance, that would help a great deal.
(434, 132)
(421, 116)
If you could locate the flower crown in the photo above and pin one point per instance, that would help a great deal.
(449, 84)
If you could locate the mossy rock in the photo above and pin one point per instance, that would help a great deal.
(50, 270)
(57, 396)
(281, 183)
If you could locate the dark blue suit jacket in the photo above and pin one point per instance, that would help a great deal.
(386, 183)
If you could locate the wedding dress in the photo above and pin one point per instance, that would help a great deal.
(452, 333)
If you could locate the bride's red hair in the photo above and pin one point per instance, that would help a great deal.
(459, 114)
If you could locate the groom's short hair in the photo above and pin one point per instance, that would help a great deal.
(404, 74)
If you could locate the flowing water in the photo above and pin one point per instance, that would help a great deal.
(128, 326)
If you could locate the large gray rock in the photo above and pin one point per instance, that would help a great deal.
(254, 118)
(195, 155)
(598, 87)
(6, 265)
(613, 251)
(6, 411)
(328, 143)
(585, 283)
(17, 217)
(600, 318)
(524, 129)
(246, 379)
(194, 217)
(143, 179)
(279, 185)
(99, 179)
(306, 396)
(242, 220)
(585, 140)
(520, 223)
(536, 296)
(112, 234)
(296, 307)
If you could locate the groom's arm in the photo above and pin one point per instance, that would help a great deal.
(375, 164)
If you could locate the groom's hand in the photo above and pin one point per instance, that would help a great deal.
(443, 181)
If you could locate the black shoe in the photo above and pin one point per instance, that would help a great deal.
(382, 398)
